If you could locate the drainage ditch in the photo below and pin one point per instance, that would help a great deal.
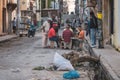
(101, 72)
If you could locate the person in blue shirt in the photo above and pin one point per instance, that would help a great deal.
(14, 25)
(31, 31)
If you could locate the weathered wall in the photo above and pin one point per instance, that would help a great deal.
(117, 24)
(106, 20)
(1, 6)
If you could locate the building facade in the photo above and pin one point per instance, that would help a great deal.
(116, 34)
(110, 21)
(65, 7)
(7, 8)
(111, 24)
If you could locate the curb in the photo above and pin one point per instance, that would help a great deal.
(108, 71)
(8, 38)
(104, 65)
(112, 75)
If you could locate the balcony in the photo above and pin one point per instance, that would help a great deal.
(11, 4)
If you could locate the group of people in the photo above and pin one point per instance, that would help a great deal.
(50, 32)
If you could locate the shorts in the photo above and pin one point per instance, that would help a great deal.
(53, 38)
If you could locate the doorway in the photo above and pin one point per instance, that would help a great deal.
(111, 17)
(111, 20)
(4, 20)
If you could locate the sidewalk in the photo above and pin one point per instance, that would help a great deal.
(110, 59)
(7, 37)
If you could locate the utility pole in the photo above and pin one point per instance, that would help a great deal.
(18, 16)
(100, 25)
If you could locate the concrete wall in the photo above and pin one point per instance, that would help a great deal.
(4, 16)
(116, 36)
(1, 6)
(105, 18)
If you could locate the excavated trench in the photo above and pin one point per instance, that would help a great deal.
(95, 71)
(100, 70)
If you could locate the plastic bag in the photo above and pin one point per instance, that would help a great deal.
(71, 75)
(61, 63)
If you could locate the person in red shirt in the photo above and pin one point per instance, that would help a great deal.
(53, 37)
(67, 34)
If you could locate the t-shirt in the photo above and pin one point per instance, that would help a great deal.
(46, 25)
(51, 33)
(67, 34)
(14, 23)
(81, 35)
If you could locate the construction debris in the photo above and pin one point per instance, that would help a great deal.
(78, 57)
(39, 68)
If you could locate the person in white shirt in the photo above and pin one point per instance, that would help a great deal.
(45, 28)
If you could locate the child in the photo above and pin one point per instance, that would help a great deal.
(81, 37)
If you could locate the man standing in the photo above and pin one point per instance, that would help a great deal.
(14, 25)
(45, 28)
(93, 28)
(67, 34)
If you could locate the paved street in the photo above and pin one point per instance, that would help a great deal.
(20, 55)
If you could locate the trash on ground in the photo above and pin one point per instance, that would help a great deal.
(61, 63)
(39, 68)
(71, 75)
(77, 57)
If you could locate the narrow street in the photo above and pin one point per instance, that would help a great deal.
(19, 56)
(84, 34)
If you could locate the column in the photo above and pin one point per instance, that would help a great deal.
(46, 4)
(116, 24)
